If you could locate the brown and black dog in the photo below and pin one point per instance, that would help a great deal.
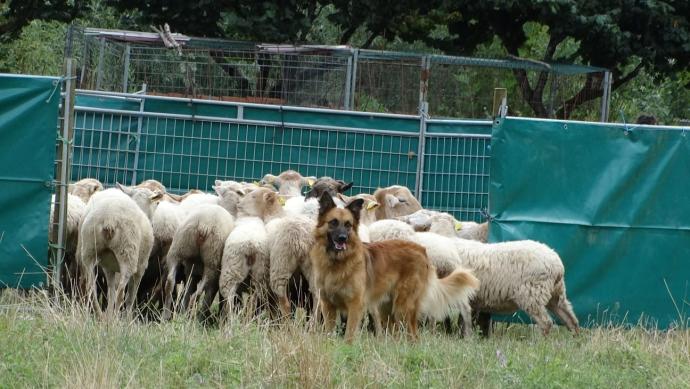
(354, 277)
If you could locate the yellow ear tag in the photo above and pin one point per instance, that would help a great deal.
(310, 182)
(281, 201)
(372, 205)
(458, 226)
(257, 183)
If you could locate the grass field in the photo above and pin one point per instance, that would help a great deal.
(48, 344)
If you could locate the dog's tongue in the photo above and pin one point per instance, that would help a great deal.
(340, 246)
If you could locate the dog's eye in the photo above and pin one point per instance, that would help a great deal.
(333, 223)
(348, 224)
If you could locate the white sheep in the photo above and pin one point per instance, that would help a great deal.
(69, 268)
(245, 253)
(85, 188)
(198, 246)
(445, 224)
(289, 182)
(116, 234)
(395, 201)
(524, 275)
(289, 239)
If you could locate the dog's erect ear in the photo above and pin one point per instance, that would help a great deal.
(326, 203)
(343, 187)
(310, 194)
(356, 208)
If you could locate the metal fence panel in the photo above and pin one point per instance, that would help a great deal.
(187, 151)
(26, 174)
(456, 168)
(188, 144)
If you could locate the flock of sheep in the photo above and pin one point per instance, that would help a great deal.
(257, 237)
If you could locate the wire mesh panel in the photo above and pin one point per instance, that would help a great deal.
(456, 176)
(464, 89)
(456, 168)
(104, 146)
(387, 85)
(190, 152)
(186, 154)
(336, 77)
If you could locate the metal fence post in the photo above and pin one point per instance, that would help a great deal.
(606, 97)
(423, 115)
(140, 122)
(353, 79)
(99, 69)
(348, 83)
(125, 75)
(63, 150)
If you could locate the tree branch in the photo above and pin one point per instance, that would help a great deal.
(592, 85)
(370, 40)
(345, 38)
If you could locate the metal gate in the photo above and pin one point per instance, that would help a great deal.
(188, 143)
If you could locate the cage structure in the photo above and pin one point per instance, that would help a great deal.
(336, 77)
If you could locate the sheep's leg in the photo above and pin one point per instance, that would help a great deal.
(191, 287)
(278, 283)
(89, 287)
(168, 292)
(564, 311)
(115, 304)
(485, 324)
(210, 288)
(110, 277)
(466, 318)
(540, 316)
(134, 282)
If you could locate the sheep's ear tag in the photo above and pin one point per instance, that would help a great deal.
(458, 226)
(257, 183)
(281, 201)
(310, 182)
(372, 205)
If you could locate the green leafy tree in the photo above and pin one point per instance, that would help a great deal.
(611, 34)
(15, 14)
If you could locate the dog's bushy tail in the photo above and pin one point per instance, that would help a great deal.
(448, 294)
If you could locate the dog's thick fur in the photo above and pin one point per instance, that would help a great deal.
(354, 277)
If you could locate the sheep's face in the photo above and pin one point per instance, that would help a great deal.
(395, 201)
(153, 185)
(289, 182)
(85, 188)
(146, 199)
(230, 193)
(261, 202)
(328, 185)
(369, 206)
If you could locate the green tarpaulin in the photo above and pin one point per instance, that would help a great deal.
(611, 200)
(28, 125)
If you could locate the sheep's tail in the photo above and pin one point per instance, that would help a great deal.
(448, 294)
(108, 232)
